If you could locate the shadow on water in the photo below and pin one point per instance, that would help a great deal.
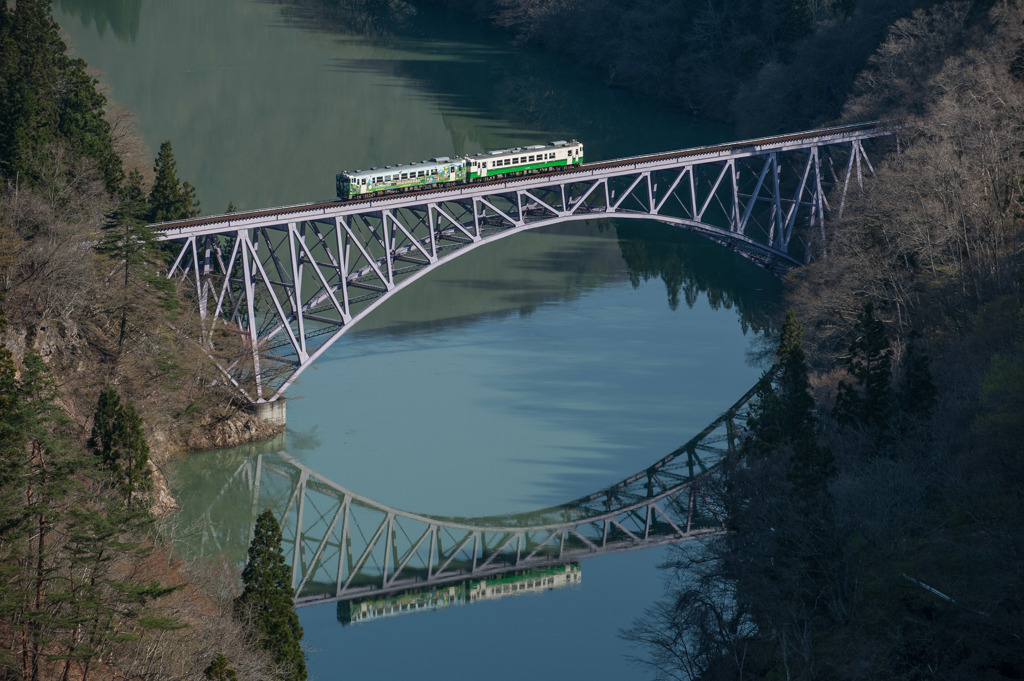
(120, 16)
(511, 278)
(516, 279)
(690, 265)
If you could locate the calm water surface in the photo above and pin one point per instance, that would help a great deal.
(541, 368)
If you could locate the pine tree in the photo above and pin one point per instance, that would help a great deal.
(40, 489)
(47, 97)
(130, 242)
(12, 439)
(141, 297)
(267, 598)
(917, 395)
(868, 403)
(797, 20)
(780, 556)
(219, 670)
(63, 601)
(119, 442)
(170, 199)
(783, 419)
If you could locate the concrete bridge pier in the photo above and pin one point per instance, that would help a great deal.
(271, 412)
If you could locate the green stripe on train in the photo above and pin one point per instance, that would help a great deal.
(516, 169)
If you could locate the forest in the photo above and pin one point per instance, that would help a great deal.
(875, 513)
(91, 374)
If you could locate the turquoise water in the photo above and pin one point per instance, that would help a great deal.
(523, 374)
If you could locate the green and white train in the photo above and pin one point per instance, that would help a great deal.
(446, 172)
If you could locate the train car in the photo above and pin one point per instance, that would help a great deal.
(539, 157)
(444, 171)
(403, 177)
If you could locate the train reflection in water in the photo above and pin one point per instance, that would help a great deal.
(469, 591)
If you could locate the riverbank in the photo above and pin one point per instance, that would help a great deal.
(78, 364)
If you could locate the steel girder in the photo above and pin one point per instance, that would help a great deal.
(344, 546)
(291, 281)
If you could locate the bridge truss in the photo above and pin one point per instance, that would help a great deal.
(291, 281)
(344, 546)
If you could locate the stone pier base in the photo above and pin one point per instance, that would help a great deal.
(271, 412)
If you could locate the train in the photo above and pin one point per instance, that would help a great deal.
(443, 171)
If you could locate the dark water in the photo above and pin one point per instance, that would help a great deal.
(527, 373)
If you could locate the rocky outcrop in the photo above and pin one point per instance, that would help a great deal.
(239, 428)
(76, 363)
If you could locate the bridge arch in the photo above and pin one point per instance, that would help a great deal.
(291, 281)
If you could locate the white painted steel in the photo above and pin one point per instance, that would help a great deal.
(290, 313)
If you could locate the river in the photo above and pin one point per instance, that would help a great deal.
(521, 375)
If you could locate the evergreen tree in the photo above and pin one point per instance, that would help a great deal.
(132, 243)
(12, 439)
(170, 199)
(219, 670)
(794, 387)
(797, 20)
(868, 403)
(811, 465)
(1000, 421)
(128, 240)
(119, 442)
(62, 606)
(780, 556)
(917, 395)
(267, 598)
(40, 486)
(47, 97)
(783, 418)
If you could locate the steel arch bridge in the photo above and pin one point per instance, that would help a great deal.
(344, 546)
(291, 281)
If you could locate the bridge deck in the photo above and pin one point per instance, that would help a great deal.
(249, 218)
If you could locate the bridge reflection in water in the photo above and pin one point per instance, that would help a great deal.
(347, 547)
